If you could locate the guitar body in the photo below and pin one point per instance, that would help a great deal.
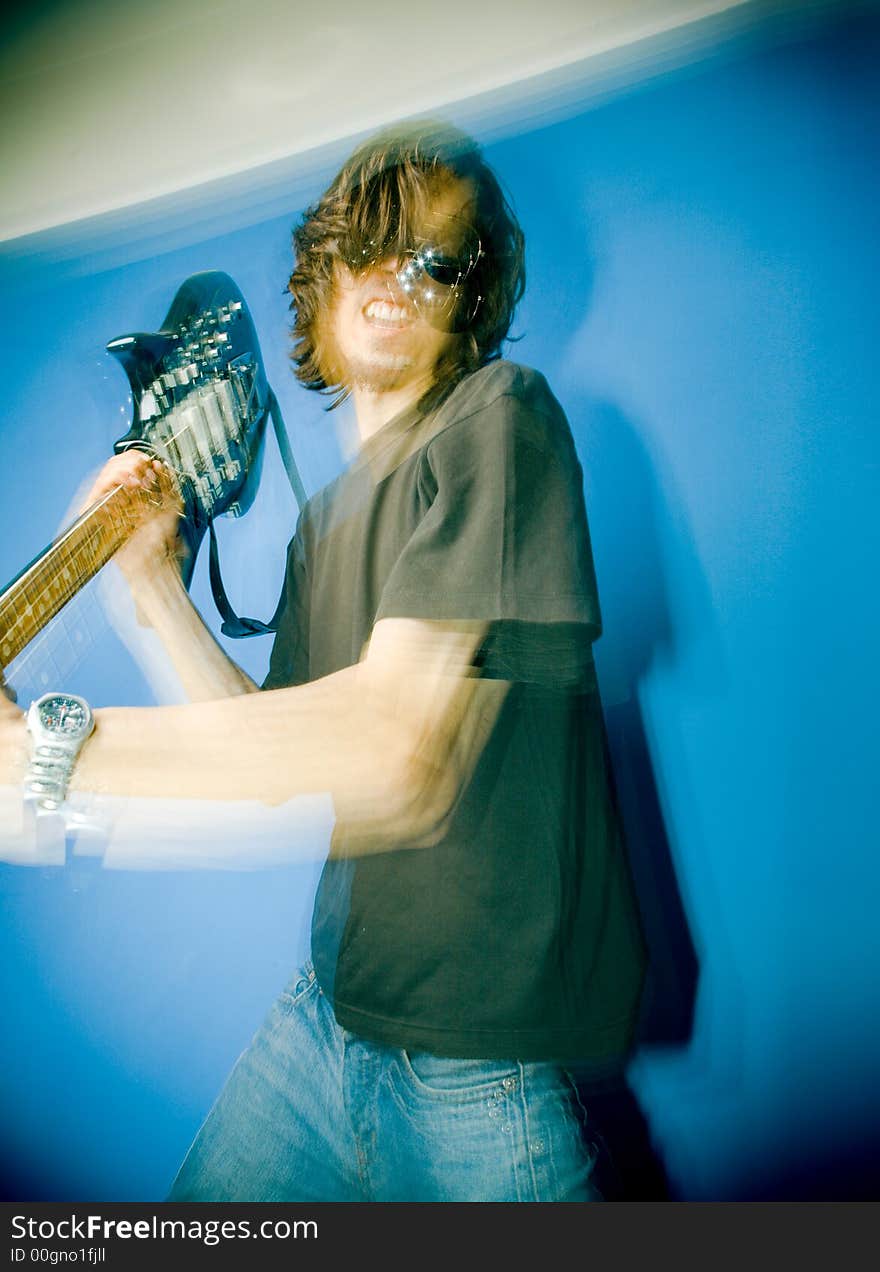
(201, 400)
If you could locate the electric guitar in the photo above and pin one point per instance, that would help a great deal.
(201, 400)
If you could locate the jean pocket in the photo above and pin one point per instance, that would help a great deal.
(299, 985)
(450, 1078)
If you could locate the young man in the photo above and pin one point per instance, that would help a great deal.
(474, 934)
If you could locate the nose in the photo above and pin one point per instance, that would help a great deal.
(392, 272)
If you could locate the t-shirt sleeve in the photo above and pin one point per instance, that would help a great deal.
(505, 539)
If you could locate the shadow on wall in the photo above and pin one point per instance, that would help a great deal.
(639, 628)
(636, 614)
(622, 507)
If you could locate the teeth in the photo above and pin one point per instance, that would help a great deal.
(385, 312)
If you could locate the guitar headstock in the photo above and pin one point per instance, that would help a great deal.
(200, 396)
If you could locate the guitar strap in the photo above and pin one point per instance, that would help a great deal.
(233, 625)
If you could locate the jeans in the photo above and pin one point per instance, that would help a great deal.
(312, 1112)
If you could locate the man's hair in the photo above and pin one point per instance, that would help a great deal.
(378, 198)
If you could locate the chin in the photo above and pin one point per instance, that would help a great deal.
(379, 375)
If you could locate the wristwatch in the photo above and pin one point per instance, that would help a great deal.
(59, 725)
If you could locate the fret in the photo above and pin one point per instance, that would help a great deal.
(65, 641)
(54, 578)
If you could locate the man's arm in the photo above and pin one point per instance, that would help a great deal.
(151, 565)
(393, 740)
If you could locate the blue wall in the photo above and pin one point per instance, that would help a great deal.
(700, 258)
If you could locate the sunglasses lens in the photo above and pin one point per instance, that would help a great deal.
(433, 277)
(440, 269)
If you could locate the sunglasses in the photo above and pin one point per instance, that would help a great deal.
(431, 277)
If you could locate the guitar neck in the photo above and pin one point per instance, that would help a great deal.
(44, 587)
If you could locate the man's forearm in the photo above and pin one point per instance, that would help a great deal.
(390, 741)
(150, 563)
(203, 668)
(392, 744)
(266, 746)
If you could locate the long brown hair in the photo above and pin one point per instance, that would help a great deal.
(378, 197)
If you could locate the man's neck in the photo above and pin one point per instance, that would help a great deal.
(373, 410)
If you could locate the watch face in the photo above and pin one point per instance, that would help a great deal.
(65, 715)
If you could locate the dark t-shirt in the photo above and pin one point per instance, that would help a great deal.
(517, 934)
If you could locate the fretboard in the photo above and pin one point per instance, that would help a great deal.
(53, 578)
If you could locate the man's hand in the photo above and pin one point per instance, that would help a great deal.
(155, 547)
(151, 561)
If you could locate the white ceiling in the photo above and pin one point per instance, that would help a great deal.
(106, 105)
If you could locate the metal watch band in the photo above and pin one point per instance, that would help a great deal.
(48, 774)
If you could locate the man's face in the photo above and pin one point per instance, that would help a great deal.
(376, 340)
